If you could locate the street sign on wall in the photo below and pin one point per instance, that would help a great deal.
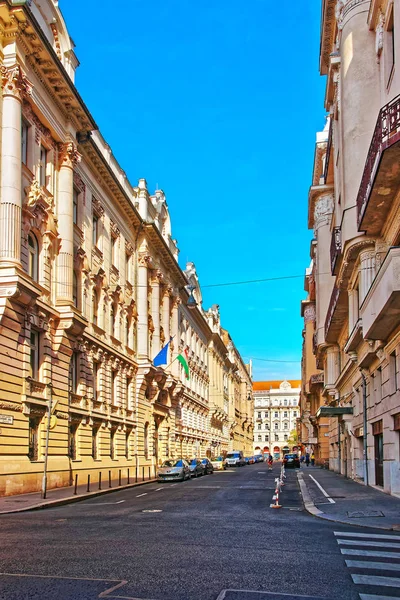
(6, 420)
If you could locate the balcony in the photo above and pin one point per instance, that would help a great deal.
(380, 310)
(336, 314)
(336, 248)
(316, 379)
(35, 388)
(381, 177)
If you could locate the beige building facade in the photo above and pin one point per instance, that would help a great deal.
(354, 210)
(91, 290)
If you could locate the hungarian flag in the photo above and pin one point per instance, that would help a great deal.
(184, 362)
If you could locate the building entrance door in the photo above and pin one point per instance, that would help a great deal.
(379, 459)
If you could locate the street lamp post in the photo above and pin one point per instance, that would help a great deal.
(46, 450)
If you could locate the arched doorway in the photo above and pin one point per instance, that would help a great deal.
(277, 453)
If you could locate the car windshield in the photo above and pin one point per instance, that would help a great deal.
(290, 456)
(232, 455)
(172, 463)
(193, 461)
(219, 459)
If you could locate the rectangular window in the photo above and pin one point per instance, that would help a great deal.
(95, 230)
(34, 354)
(95, 433)
(96, 381)
(393, 372)
(112, 444)
(43, 166)
(259, 415)
(259, 438)
(72, 444)
(33, 450)
(75, 206)
(127, 442)
(259, 426)
(389, 48)
(114, 386)
(127, 267)
(24, 142)
(276, 414)
(285, 414)
(114, 251)
(74, 372)
(295, 413)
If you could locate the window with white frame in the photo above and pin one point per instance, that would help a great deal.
(24, 141)
(33, 257)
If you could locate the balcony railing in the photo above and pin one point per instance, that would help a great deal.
(388, 124)
(336, 247)
(317, 378)
(328, 151)
(332, 306)
(315, 342)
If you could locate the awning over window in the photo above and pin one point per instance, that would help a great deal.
(334, 411)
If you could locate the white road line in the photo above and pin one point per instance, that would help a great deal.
(102, 503)
(372, 553)
(373, 597)
(158, 489)
(366, 564)
(374, 544)
(377, 580)
(145, 494)
(377, 536)
(322, 490)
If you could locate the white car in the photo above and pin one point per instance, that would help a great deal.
(218, 463)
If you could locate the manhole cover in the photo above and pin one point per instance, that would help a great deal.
(361, 514)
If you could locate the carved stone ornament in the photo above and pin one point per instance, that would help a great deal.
(14, 82)
(379, 35)
(97, 207)
(144, 259)
(10, 406)
(68, 154)
(129, 248)
(115, 232)
(309, 313)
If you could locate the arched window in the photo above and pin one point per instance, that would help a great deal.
(276, 425)
(146, 441)
(33, 257)
(285, 426)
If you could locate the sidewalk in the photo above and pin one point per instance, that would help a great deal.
(60, 496)
(346, 501)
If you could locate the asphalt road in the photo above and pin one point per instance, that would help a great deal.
(183, 541)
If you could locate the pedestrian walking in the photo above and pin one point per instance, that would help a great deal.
(302, 458)
(312, 459)
(270, 461)
(307, 460)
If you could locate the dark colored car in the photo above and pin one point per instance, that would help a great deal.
(246, 460)
(196, 468)
(207, 466)
(259, 458)
(291, 461)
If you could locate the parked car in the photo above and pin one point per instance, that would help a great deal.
(252, 460)
(246, 460)
(196, 468)
(235, 459)
(291, 460)
(173, 470)
(218, 463)
(259, 458)
(207, 466)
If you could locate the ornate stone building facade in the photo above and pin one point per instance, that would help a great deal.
(90, 288)
(354, 210)
(276, 410)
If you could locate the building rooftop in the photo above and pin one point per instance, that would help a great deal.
(264, 386)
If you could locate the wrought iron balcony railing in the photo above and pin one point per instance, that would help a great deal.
(388, 124)
(336, 247)
(332, 306)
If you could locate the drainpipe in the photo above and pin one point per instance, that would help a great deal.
(365, 449)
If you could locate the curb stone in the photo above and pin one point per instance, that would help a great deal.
(72, 499)
(316, 512)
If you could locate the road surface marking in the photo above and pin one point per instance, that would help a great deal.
(376, 580)
(152, 510)
(377, 536)
(372, 553)
(140, 495)
(365, 543)
(322, 490)
(102, 503)
(158, 489)
(373, 597)
(366, 564)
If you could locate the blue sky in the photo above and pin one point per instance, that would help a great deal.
(218, 104)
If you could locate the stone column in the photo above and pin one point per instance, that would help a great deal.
(142, 319)
(68, 158)
(155, 310)
(15, 86)
(323, 278)
(367, 272)
(175, 333)
(166, 313)
(353, 309)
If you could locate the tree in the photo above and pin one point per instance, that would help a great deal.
(293, 438)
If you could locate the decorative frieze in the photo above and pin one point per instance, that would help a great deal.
(13, 406)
